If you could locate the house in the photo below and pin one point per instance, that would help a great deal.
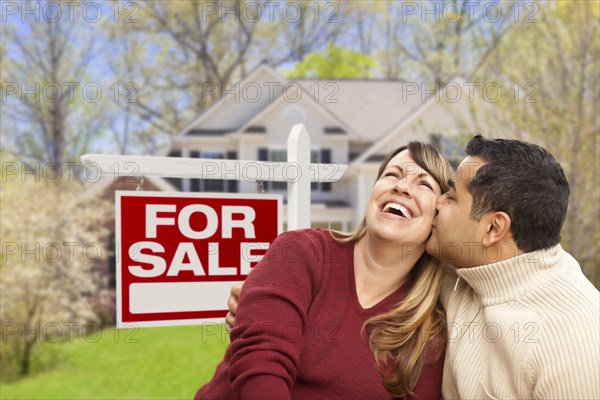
(354, 122)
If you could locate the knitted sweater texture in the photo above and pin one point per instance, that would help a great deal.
(526, 327)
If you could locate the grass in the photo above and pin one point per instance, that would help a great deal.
(149, 363)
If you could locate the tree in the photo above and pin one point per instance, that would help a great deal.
(197, 44)
(436, 40)
(334, 63)
(52, 112)
(47, 116)
(49, 279)
(548, 75)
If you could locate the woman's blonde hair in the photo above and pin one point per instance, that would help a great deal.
(401, 335)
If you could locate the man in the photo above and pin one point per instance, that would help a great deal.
(523, 321)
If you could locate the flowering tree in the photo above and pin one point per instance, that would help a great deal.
(50, 277)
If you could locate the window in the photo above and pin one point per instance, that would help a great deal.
(213, 185)
(315, 158)
(280, 155)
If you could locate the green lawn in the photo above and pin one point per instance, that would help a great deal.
(150, 363)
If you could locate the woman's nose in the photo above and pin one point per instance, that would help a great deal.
(403, 186)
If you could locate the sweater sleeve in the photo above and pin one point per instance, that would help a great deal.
(565, 360)
(268, 336)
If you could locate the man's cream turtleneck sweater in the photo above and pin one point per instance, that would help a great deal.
(527, 327)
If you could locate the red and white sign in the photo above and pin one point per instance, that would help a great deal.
(178, 254)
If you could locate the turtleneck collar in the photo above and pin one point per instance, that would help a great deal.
(510, 279)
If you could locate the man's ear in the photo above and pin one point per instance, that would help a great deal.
(498, 228)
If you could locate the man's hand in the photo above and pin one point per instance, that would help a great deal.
(232, 304)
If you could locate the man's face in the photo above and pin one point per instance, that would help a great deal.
(455, 238)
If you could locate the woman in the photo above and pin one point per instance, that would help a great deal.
(318, 300)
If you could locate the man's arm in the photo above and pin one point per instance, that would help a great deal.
(565, 362)
(232, 304)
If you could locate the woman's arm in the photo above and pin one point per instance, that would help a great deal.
(268, 336)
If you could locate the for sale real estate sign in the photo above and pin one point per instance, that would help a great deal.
(178, 254)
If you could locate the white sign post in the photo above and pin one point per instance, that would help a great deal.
(299, 190)
(298, 171)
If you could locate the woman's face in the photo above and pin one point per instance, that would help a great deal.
(402, 204)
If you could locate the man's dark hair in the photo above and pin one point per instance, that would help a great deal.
(525, 181)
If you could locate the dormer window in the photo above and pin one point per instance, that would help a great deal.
(334, 130)
(255, 129)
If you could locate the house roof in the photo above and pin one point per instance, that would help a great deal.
(230, 97)
(379, 146)
(341, 126)
(370, 111)
(371, 108)
(367, 109)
